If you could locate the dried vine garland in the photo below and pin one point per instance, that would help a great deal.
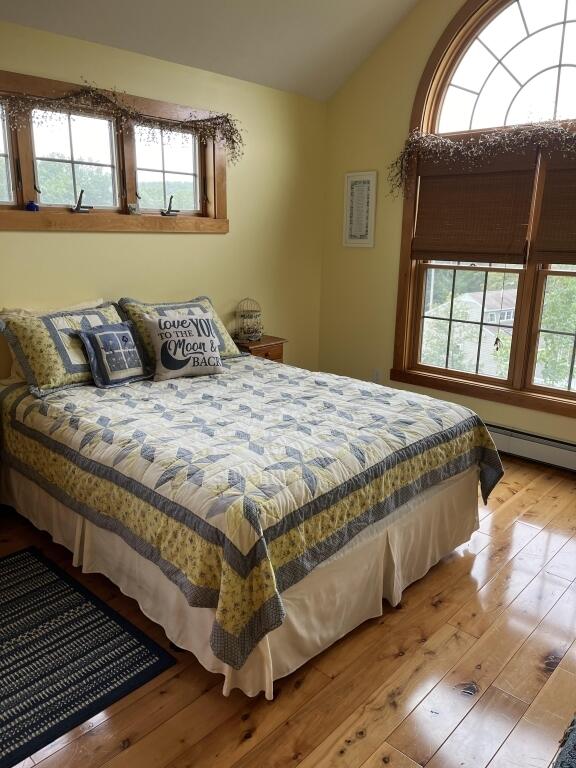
(476, 150)
(116, 105)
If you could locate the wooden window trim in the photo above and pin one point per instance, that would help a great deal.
(15, 176)
(535, 400)
(212, 218)
(200, 180)
(25, 138)
(518, 389)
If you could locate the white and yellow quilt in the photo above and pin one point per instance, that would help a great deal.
(238, 485)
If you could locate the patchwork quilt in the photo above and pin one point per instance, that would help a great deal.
(238, 485)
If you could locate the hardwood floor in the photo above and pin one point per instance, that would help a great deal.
(476, 668)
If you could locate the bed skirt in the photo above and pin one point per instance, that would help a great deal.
(329, 602)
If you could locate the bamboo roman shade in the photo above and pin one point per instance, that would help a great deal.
(555, 240)
(478, 215)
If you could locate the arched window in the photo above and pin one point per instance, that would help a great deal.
(520, 68)
(487, 288)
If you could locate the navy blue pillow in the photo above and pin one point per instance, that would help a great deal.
(114, 354)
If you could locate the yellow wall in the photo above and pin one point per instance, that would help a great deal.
(336, 305)
(368, 121)
(274, 203)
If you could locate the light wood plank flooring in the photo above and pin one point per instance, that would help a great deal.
(476, 668)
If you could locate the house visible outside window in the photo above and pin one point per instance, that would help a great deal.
(492, 277)
(6, 193)
(457, 331)
(71, 153)
(167, 164)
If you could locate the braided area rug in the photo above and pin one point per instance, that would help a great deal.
(64, 655)
(567, 756)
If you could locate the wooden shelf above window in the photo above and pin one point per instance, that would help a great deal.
(65, 221)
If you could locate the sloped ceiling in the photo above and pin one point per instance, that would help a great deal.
(306, 46)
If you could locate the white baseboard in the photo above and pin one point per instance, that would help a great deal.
(527, 446)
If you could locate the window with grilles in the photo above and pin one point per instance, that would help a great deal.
(487, 299)
(167, 166)
(119, 174)
(71, 153)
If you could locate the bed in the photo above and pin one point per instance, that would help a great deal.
(258, 515)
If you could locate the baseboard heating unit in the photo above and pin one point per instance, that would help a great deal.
(554, 452)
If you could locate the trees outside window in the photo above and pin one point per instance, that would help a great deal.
(74, 152)
(129, 154)
(487, 293)
(167, 165)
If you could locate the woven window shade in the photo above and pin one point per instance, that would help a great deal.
(473, 216)
(555, 240)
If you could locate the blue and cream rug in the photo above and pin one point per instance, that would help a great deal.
(567, 756)
(64, 655)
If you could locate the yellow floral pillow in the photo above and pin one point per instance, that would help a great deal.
(138, 313)
(48, 348)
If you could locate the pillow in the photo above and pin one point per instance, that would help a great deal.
(184, 345)
(48, 348)
(136, 311)
(16, 372)
(114, 355)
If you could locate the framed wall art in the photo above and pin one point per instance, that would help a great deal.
(359, 209)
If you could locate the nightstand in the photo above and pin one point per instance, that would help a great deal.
(270, 347)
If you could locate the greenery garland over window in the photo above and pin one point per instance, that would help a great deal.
(478, 149)
(222, 128)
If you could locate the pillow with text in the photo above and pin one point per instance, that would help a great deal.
(184, 345)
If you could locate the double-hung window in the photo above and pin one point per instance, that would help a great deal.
(488, 292)
(469, 250)
(552, 352)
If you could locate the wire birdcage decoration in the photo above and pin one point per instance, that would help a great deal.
(249, 320)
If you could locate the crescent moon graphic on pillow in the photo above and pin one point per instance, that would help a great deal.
(172, 363)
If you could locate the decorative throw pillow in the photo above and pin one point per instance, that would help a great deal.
(16, 372)
(113, 354)
(184, 345)
(136, 311)
(49, 349)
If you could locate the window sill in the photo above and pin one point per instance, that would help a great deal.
(537, 401)
(66, 221)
